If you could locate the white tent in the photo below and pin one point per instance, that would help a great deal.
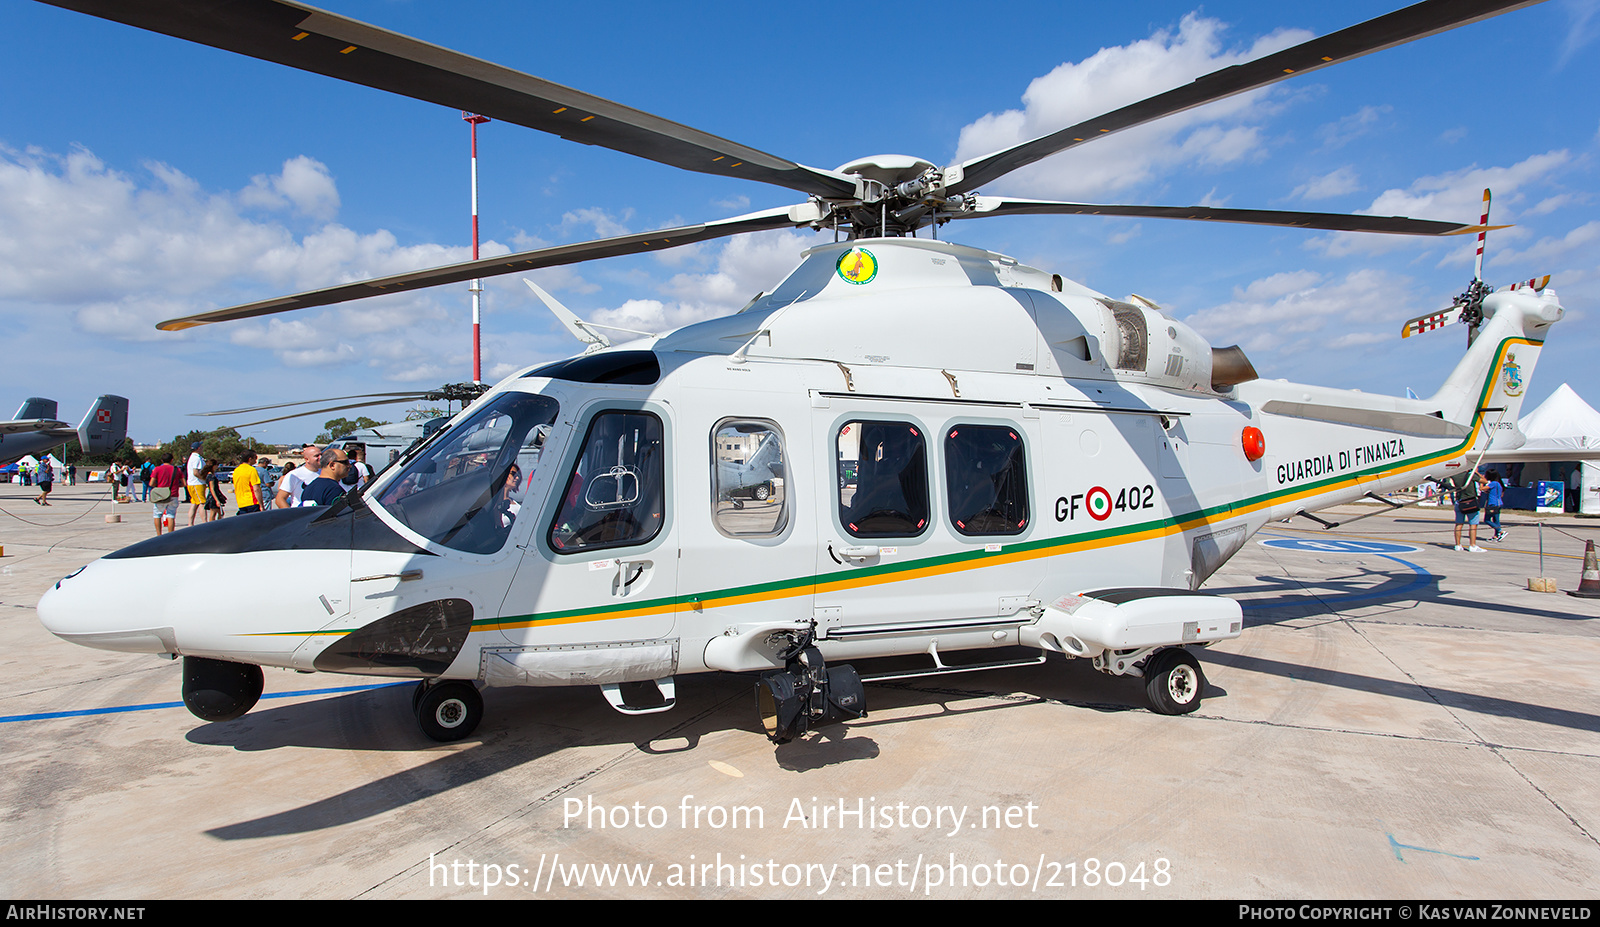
(30, 463)
(1563, 427)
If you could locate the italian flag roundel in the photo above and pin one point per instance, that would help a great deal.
(1098, 502)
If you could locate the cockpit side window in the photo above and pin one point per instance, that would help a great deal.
(986, 479)
(883, 479)
(750, 496)
(466, 491)
(616, 493)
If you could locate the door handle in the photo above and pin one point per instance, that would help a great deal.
(628, 573)
(406, 576)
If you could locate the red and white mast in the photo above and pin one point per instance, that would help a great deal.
(476, 286)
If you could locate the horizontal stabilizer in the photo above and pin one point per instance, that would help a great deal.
(1408, 423)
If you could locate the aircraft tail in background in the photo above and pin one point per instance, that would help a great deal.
(36, 408)
(105, 426)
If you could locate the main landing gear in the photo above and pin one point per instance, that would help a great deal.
(1173, 681)
(447, 710)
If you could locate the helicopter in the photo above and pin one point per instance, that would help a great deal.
(960, 454)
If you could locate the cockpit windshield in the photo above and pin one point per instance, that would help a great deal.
(466, 491)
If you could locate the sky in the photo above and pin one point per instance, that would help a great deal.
(143, 177)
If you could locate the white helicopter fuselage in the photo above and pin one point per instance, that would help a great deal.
(1103, 445)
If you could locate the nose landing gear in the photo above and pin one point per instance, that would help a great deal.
(218, 690)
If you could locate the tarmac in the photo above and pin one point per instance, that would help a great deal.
(1399, 720)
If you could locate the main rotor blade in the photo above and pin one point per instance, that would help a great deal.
(1414, 22)
(324, 43)
(353, 405)
(1336, 222)
(641, 242)
(305, 402)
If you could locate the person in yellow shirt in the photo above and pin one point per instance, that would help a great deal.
(247, 484)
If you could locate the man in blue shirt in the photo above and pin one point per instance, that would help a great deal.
(1492, 499)
(326, 489)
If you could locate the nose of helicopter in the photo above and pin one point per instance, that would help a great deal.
(107, 605)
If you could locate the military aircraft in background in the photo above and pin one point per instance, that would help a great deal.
(35, 429)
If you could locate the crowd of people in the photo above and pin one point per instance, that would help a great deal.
(323, 477)
(43, 472)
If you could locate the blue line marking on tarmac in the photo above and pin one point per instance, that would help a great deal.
(115, 709)
(1337, 546)
(1420, 578)
(1397, 846)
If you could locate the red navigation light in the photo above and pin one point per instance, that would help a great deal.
(1255, 443)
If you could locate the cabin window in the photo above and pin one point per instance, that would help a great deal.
(986, 478)
(749, 492)
(883, 479)
(616, 493)
(466, 490)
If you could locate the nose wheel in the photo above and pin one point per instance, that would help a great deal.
(447, 710)
(220, 690)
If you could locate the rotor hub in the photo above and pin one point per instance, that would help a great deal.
(895, 196)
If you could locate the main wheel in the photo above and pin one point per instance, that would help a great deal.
(1173, 682)
(450, 710)
(220, 690)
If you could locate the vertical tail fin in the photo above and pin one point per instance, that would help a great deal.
(1486, 389)
(34, 408)
(766, 458)
(105, 426)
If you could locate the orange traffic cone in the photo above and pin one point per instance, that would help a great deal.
(1589, 585)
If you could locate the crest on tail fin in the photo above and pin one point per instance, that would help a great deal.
(1511, 375)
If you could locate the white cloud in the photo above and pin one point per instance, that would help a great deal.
(600, 223)
(304, 184)
(1547, 251)
(1126, 235)
(1115, 77)
(112, 253)
(1328, 186)
(746, 265)
(1457, 196)
(1582, 28)
(1361, 122)
(1550, 204)
(1460, 193)
(1289, 312)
